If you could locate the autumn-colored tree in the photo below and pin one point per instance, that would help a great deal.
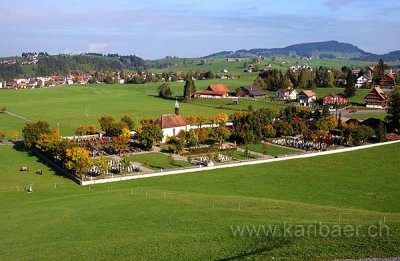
(78, 159)
(81, 130)
(121, 142)
(220, 118)
(200, 120)
(47, 142)
(3, 135)
(92, 129)
(32, 131)
(320, 136)
(128, 122)
(14, 135)
(332, 122)
(269, 131)
(106, 122)
(203, 134)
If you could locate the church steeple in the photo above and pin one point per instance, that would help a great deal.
(176, 107)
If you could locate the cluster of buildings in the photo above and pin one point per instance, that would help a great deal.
(45, 81)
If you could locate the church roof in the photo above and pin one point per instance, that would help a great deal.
(171, 121)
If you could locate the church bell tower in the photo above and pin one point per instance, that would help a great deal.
(176, 107)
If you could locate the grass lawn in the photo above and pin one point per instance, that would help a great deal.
(239, 155)
(9, 124)
(243, 104)
(365, 116)
(273, 150)
(191, 216)
(67, 105)
(158, 161)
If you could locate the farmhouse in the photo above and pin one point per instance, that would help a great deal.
(251, 91)
(376, 98)
(362, 81)
(307, 98)
(387, 81)
(334, 99)
(213, 91)
(172, 124)
(286, 94)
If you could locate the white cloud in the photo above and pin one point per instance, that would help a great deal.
(96, 47)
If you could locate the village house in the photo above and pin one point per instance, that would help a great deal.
(251, 91)
(387, 81)
(363, 81)
(286, 94)
(376, 98)
(215, 91)
(307, 98)
(172, 124)
(334, 99)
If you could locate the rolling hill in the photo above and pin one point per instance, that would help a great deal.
(328, 49)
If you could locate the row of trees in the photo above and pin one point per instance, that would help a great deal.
(14, 135)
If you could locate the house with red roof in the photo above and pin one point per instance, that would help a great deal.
(213, 91)
(334, 99)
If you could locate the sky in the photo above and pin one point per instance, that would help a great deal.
(156, 28)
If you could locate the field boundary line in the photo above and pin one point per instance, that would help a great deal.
(232, 165)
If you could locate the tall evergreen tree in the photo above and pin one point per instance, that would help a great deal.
(189, 88)
(393, 110)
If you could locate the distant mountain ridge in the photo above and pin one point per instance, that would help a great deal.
(327, 49)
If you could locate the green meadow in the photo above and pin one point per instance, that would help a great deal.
(196, 216)
(67, 107)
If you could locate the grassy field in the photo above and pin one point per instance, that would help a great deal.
(158, 161)
(273, 150)
(9, 124)
(67, 105)
(365, 116)
(237, 67)
(191, 216)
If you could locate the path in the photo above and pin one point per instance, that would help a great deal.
(240, 164)
(17, 116)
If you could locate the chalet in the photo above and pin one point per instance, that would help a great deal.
(286, 94)
(172, 124)
(334, 99)
(215, 91)
(363, 81)
(307, 98)
(376, 98)
(387, 81)
(252, 91)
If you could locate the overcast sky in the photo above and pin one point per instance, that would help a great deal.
(156, 28)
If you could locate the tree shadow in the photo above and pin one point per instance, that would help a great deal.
(20, 147)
